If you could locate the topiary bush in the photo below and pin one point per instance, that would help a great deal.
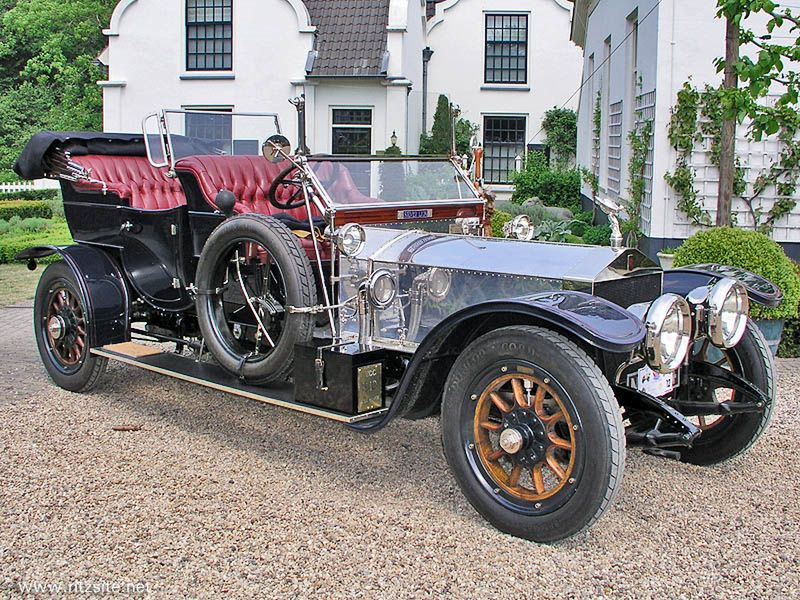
(749, 250)
(597, 235)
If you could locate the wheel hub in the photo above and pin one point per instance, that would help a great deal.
(525, 436)
(56, 326)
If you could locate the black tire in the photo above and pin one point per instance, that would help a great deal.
(298, 290)
(597, 457)
(66, 358)
(732, 435)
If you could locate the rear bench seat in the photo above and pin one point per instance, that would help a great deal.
(134, 179)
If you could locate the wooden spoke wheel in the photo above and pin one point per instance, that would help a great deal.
(524, 437)
(63, 330)
(532, 433)
(726, 436)
(66, 327)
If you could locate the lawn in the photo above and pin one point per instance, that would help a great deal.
(17, 283)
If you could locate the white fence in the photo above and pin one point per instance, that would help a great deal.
(24, 186)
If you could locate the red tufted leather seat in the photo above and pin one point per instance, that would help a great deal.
(248, 177)
(132, 178)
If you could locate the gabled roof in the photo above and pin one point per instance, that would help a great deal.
(351, 38)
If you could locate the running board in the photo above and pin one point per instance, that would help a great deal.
(211, 375)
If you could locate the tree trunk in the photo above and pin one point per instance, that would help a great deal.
(727, 151)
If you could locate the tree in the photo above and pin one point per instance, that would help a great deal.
(560, 126)
(48, 74)
(440, 140)
(748, 82)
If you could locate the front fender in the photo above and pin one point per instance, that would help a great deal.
(589, 320)
(102, 286)
(684, 279)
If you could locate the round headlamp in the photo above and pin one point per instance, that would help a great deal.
(382, 288)
(728, 307)
(439, 281)
(350, 239)
(519, 227)
(669, 333)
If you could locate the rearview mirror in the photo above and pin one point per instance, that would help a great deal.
(276, 148)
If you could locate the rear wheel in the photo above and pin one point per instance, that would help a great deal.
(62, 331)
(251, 273)
(725, 437)
(533, 433)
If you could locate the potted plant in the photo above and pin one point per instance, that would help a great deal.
(757, 253)
(666, 257)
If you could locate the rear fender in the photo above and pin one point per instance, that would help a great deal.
(102, 286)
(683, 280)
(595, 324)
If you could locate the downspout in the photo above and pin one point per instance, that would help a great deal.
(426, 57)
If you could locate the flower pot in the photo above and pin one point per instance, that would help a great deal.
(666, 260)
(772, 330)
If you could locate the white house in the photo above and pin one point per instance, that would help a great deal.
(368, 68)
(637, 56)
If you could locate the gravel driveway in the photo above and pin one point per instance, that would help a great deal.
(217, 495)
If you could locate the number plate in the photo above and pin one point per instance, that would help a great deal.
(405, 215)
(655, 384)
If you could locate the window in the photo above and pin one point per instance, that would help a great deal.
(503, 141)
(209, 35)
(215, 129)
(352, 131)
(506, 49)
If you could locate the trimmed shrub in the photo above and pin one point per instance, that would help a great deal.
(29, 195)
(14, 243)
(25, 209)
(597, 235)
(749, 250)
(552, 186)
(536, 212)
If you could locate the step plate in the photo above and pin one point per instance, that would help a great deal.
(213, 376)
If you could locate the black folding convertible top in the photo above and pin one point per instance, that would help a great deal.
(30, 164)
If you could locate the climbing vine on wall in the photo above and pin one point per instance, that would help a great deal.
(592, 177)
(698, 115)
(639, 139)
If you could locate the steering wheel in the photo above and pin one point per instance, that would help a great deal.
(296, 200)
(284, 180)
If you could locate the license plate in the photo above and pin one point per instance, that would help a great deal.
(423, 213)
(653, 383)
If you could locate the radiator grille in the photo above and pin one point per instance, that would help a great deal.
(630, 290)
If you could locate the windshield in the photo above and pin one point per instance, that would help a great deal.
(201, 132)
(359, 181)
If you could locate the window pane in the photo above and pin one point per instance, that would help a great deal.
(215, 130)
(352, 140)
(352, 116)
(506, 49)
(209, 35)
(504, 140)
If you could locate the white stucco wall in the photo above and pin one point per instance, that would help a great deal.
(146, 57)
(678, 41)
(457, 36)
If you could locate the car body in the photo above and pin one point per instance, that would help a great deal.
(363, 289)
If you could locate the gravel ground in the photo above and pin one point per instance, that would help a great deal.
(217, 495)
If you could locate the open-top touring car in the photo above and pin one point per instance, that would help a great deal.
(365, 288)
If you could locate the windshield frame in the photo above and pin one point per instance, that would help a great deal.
(166, 135)
(339, 207)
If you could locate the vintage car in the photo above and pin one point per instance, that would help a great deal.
(362, 289)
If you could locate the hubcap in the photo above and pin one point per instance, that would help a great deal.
(56, 327)
(511, 441)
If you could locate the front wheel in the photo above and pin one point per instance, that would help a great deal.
(533, 433)
(61, 329)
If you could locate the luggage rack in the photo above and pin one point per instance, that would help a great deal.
(210, 375)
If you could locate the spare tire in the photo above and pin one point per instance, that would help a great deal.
(251, 270)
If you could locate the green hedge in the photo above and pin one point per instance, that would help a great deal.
(13, 243)
(553, 187)
(747, 250)
(29, 195)
(25, 209)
